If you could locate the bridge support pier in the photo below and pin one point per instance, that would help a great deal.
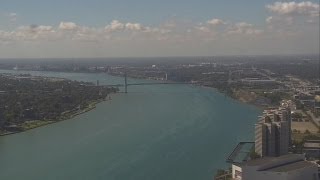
(125, 83)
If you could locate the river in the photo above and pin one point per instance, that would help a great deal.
(158, 132)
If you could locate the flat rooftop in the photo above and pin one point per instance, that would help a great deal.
(241, 153)
(312, 144)
(291, 166)
(277, 160)
(286, 163)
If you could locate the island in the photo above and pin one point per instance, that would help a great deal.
(27, 102)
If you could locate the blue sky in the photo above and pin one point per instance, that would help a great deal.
(189, 15)
(99, 12)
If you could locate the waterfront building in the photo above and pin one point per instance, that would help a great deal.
(273, 132)
(287, 167)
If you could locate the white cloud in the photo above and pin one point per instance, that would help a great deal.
(294, 8)
(68, 26)
(269, 19)
(203, 29)
(115, 26)
(216, 22)
(210, 27)
(210, 31)
(44, 28)
(292, 17)
(280, 24)
(70, 31)
(280, 21)
(5, 36)
(33, 32)
(12, 17)
(244, 29)
(134, 26)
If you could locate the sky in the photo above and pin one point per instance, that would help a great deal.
(153, 28)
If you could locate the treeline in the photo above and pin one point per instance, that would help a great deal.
(26, 98)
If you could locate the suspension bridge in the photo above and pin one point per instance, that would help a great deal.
(126, 84)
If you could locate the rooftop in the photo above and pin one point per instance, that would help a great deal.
(284, 163)
(241, 153)
(291, 166)
(267, 160)
(312, 144)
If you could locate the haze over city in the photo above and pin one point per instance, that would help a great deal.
(142, 28)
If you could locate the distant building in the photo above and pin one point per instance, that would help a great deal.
(273, 132)
(287, 167)
(258, 82)
(317, 104)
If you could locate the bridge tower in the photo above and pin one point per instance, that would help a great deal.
(125, 83)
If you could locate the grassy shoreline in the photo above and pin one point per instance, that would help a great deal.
(26, 126)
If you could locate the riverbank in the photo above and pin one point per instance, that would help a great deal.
(250, 98)
(29, 125)
(240, 95)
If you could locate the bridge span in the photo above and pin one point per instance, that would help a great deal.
(126, 84)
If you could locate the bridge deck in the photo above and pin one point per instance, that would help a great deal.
(142, 84)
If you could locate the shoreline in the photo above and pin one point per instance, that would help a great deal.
(241, 98)
(41, 123)
(234, 98)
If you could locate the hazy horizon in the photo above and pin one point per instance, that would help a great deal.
(156, 57)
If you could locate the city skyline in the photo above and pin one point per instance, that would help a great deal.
(75, 29)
